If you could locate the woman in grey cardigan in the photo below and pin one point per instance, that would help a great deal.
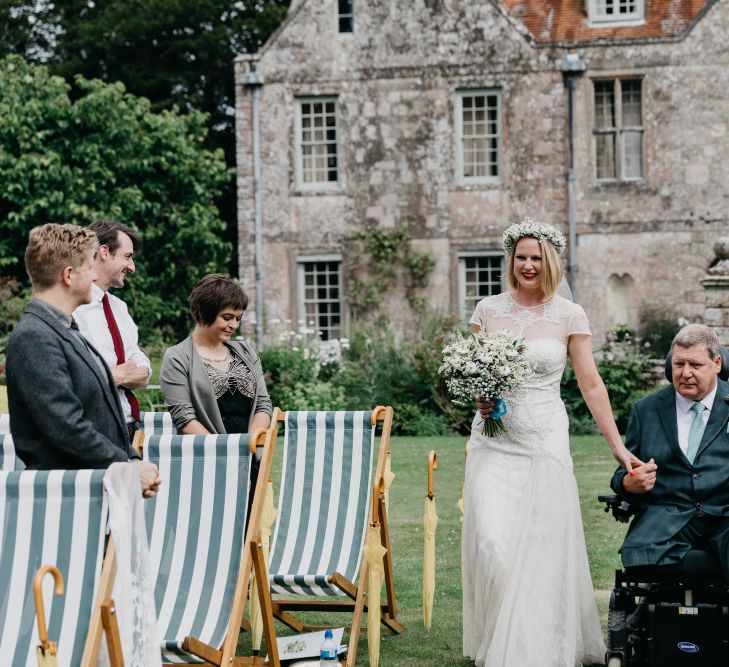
(212, 384)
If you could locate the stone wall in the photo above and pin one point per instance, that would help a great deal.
(396, 80)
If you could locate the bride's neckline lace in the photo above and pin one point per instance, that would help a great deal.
(539, 305)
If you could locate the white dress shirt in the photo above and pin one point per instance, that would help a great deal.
(92, 324)
(685, 416)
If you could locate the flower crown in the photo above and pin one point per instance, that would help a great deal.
(537, 230)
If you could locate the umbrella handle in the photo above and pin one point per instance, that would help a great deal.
(432, 465)
(38, 597)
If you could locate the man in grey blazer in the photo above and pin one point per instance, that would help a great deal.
(64, 408)
(681, 432)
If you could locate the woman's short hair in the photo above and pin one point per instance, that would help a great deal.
(51, 248)
(697, 334)
(212, 294)
(551, 268)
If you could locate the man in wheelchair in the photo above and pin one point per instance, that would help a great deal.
(670, 605)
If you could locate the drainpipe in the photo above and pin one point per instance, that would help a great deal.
(253, 81)
(572, 67)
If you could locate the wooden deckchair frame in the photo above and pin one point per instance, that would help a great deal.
(251, 560)
(356, 592)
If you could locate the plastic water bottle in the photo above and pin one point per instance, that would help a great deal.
(328, 651)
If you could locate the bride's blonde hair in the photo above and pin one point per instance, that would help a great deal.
(551, 267)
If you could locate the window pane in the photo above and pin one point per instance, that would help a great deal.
(321, 305)
(481, 278)
(346, 15)
(631, 103)
(605, 155)
(479, 140)
(604, 104)
(632, 154)
(318, 139)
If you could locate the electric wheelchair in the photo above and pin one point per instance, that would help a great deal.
(668, 616)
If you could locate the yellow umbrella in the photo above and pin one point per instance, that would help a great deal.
(374, 553)
(268, 517)
(46, 651)
(430, 522)
(388, 476)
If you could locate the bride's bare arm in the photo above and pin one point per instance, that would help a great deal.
(593, 391)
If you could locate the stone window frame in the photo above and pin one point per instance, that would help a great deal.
(344, 15)
(619, 130)
(461, 179)
(308, 305)
(467, 302)
(324, 185)
(600, 15)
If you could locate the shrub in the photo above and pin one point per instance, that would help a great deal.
(624, 367)
(658, 324)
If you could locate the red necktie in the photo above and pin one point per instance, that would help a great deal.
(119, 349)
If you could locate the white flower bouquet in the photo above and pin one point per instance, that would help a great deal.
(487, 365)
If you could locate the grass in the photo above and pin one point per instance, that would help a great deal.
(441, 645)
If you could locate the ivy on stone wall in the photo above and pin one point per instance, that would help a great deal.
(375, 261)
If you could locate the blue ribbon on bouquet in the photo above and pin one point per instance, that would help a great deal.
(499, 410)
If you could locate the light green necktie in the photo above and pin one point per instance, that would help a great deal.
(697, 431)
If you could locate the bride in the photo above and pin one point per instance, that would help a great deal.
(527, 593)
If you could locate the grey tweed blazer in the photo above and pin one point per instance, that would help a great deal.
(682, 490)
(64, 408)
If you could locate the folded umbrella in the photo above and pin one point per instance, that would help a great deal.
(430, 522)
(47, 651)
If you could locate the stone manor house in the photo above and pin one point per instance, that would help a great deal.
(450, 119)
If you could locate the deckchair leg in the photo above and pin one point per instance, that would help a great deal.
(111, 630)
(359, 606)
(264, 596)
(389, 579)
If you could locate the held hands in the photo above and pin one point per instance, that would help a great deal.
(642, 479)
(485, 407)
(625, 458)
(149, 478)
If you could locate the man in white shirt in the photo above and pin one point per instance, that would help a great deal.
(106, 323)
(681, 432)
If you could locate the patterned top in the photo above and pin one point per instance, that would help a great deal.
(237, 378)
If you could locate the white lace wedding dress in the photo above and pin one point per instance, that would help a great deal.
(527, 594)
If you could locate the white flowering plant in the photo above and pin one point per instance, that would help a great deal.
(488, 365)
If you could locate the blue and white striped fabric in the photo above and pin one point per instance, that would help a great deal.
(9, 460)
(49, 517)
(196, 530)
(4, 423)
(324, 501)
(157, 423)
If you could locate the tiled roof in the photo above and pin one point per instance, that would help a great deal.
(565, 21)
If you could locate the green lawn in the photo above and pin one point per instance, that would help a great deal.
(441, 645)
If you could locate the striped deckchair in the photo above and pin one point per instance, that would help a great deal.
(324, 506)
(200, 553)
(157, 423)
(4, 423)
(55, 518)
(8, 458)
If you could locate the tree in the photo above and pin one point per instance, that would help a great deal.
(107, 154)
(173, 52)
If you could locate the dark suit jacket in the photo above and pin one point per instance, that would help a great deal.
(682, 490)
(64, 409)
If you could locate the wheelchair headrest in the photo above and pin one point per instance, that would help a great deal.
(723, 372)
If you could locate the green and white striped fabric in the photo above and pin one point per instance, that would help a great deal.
(8, 458)
(4, 423)
(49, 517)
(196, 530)
(157, 423)
(324, 501)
